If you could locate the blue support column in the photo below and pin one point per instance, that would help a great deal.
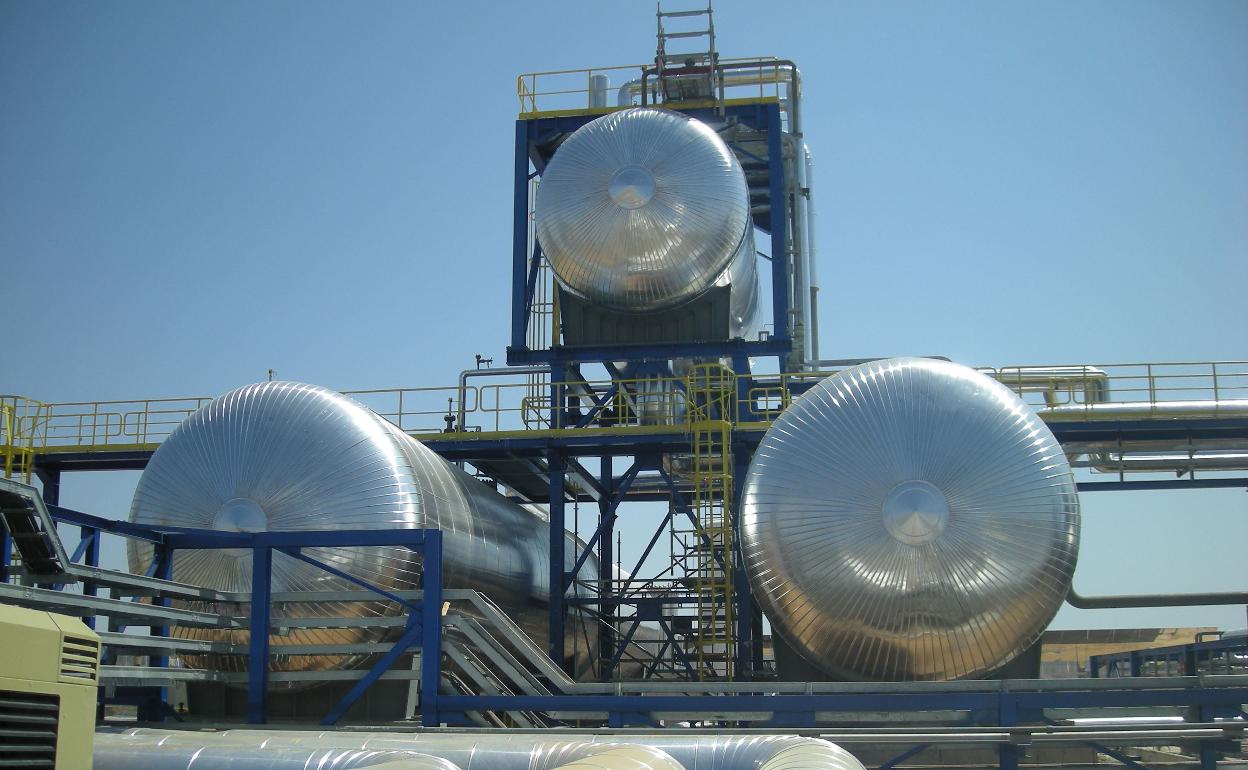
(431, 626)
(520, 241)
(606, 570)
(6, 555)
(1007, 716)
(91, 557)
(779, 229)
(162, 569)
(258, 643)
(558, 541)
(51, 482)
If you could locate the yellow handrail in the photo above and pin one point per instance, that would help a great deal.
(517, 404)
(553, 90)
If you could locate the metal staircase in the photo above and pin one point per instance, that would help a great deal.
(706, 550)
(687, 75)
(487, 653)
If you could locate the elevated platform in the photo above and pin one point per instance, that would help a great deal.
(503, 428)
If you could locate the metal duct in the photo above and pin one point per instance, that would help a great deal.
(910, 519)
(625, 758)
(645, 209)
(288, 456)
(118, 753)
(504, 750)
(1143, 410)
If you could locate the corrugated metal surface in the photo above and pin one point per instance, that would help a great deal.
(910, 519)
(645, 209)
(289, 456)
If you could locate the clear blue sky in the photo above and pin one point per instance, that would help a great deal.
(192, 193)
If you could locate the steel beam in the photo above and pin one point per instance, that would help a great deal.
(258, 638)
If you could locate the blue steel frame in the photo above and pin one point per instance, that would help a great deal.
(1003, 706)
(1186, 658)
(532, 137)
(423, 628)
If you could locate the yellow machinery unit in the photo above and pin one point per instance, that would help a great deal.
(49, 671)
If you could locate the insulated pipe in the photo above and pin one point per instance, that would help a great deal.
(285, 456)
(800, 245)
(1154, 600)
(625, 758)
(598, 87)
(529, 751)
(1135, 410)
(1052, 379)
(812, 276)
(467, 373)
(1156, 462)
(117, 753)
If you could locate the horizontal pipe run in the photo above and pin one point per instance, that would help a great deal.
(1078, 601)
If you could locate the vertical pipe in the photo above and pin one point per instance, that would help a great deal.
(779, 235)
(812, 264)
(258, 641)
(520, 239)
(598, 86)
(558, 539)
(431, 629)
(801, 262)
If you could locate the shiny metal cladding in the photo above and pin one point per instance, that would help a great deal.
(288, 456)
(910, 519)
(645, 209)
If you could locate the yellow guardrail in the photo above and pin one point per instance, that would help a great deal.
(509, 404)
(20, 418)
(559, 92)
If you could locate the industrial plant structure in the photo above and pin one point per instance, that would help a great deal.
(906, 528)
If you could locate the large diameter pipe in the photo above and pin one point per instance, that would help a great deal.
(116, 753)
(1137, 410)
(288, 456)
(625, 758)
(533, 751)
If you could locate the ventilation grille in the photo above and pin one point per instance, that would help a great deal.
(28, 729)
(80, 660)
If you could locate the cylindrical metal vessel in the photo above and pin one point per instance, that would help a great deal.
(288, 456)
(547, 750)
(910, 519)
(646, 209)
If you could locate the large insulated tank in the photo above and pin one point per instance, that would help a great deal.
(909, 519)
(289, 456)
(645, 209)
